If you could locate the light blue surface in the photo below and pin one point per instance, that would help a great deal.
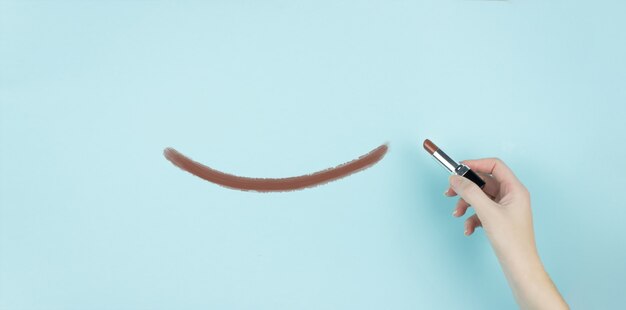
(93, 217)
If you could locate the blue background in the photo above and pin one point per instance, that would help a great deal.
(93, 217)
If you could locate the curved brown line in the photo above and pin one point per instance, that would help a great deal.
(278, 184)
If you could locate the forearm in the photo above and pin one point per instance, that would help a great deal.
(530, 283)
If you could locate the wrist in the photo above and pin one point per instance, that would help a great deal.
(521, 263)
(529, 281)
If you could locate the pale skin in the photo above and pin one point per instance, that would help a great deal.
(503, 211)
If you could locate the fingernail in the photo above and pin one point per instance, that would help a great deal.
(455, 212)
(465, 232)
(445, 193)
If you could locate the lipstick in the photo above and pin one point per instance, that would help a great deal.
(451, 165)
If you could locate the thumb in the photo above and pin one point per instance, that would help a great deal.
(470, 192)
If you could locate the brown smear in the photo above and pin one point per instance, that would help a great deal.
(275, 185)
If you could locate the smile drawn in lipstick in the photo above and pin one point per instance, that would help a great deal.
(277, 184)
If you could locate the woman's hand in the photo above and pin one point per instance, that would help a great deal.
(503, 210)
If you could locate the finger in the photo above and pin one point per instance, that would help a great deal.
(471, 223)
(449, 192)
(492, 188)
(461, 208)
(471, 193)
(494, 166)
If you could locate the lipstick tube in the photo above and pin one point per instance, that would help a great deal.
(451, 165)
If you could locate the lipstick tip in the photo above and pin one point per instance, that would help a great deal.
(430, 147)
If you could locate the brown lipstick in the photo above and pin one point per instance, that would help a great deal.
(451, 165)
(276, 184)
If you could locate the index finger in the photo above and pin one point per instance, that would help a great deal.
(494, 166)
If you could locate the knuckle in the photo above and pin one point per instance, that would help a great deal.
(465, 184)
(525, 192)
(471, 189)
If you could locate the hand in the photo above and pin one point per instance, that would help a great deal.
(503, 210)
